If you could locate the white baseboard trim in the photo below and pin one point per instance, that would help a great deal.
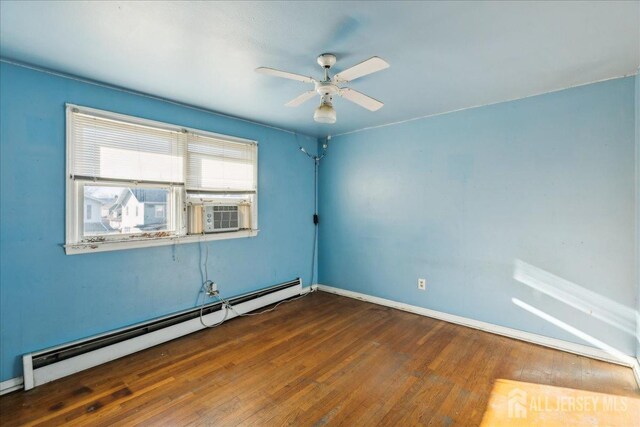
(636, 370)
(307, 289)
(579, 349)
(10, 385)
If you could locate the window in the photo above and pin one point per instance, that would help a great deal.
(220, 166)
(136, 179)
(117, 218)
(223, 172)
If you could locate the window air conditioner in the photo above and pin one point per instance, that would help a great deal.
(214, 218)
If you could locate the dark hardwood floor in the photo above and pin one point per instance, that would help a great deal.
(327, 359)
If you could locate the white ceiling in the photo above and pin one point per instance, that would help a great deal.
(444, 56)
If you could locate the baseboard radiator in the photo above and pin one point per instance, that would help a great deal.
(50, 364)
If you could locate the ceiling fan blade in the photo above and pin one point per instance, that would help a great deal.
(361, 99)
(369, 66)
(284, 75)
(301, 99)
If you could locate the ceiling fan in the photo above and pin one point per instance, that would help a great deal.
(328, 87)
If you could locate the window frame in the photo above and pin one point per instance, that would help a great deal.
(75, 241)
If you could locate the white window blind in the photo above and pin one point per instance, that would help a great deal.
(112, 149)
(215, 164)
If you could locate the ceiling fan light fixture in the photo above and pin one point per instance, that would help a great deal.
(325, 113)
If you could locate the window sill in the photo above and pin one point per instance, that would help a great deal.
(83, 248)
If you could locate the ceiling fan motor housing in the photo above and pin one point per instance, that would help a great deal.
(326, 88)
(326, 60)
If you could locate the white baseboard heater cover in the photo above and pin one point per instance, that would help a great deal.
(50, 364)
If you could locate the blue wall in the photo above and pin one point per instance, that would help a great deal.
(458, 198)
(49, 298)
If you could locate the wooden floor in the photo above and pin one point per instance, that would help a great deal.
(324, 359)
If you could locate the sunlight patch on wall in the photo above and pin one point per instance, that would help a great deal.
(576, 296)
(623, 358)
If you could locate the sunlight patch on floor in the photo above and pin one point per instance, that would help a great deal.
(517, 403)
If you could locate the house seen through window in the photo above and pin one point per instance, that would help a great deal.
(125, 210)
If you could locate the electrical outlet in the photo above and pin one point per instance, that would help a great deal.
(212, 289)
(422, 284)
